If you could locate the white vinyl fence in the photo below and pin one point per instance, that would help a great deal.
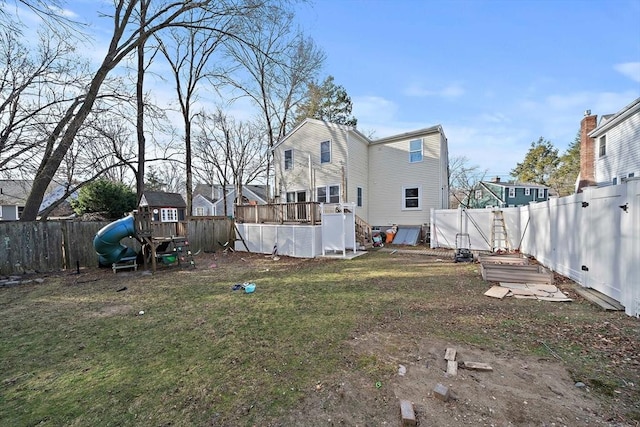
(592, 237)
(336, 234)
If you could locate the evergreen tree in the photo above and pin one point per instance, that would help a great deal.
(539, 164)
(563, 180)
(113, 199)
(328, 102)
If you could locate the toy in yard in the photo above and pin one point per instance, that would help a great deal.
(463, 248)
(162, 239)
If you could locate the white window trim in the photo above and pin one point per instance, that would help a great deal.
(540, 194)
(527, 191)
(168, 215)
(199, 211)
(421, 151)
(327, 198)
(404, 192)
(284, 156)
(602, 146)
(512, 192)
(330, 152)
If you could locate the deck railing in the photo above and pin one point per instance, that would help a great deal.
(279, 213)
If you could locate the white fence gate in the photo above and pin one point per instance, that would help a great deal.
(592, 237)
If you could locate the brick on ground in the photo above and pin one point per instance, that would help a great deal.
(407, 414)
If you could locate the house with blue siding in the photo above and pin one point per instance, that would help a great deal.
(494, 193)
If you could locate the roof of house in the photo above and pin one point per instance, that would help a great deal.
(205, 190)
(163, 199)
(612, 120)
(207, 198)
(14, 191)
(407, 135)
(344, 128)
(515, 184)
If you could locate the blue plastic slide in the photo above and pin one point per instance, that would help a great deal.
(107, 241)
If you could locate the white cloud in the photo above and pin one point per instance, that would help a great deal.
(629, 69)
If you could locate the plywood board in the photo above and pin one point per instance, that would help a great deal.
(450, 354)
(478, 366)
(497, 292)
(452, 367)
(542, 287)
(525, 296)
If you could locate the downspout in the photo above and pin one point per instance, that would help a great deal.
(310, 180)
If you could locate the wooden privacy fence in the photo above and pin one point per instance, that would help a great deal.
(44, 246)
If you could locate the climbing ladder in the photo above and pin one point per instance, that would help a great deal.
(499, 241)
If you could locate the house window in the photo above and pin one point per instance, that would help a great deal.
(199, 211)
(614, 181)
(540, 193)
(169, 215)
(291, 197)
(334, 194)
(328, 194)
(512, 192)
(325, 152)
(478, 194)
(631, 175)
(603, 146)
(359, 197)
(288, 159)
(411, 198)
(527, 191)
(415, 151)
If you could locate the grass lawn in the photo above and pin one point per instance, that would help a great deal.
(75, 351)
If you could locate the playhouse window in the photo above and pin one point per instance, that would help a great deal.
(512, 192)
(169, 215)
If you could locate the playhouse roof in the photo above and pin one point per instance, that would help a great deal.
(162, 199)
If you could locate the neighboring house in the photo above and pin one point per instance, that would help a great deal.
(208, 200)
(392, 180)
(494, 193)
(13, 195)
(166, 207)
(610, 149)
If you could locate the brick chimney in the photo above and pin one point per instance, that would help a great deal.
(587, 151)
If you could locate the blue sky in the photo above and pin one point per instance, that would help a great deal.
(496, 74)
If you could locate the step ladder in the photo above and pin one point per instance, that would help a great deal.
(499, 241)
